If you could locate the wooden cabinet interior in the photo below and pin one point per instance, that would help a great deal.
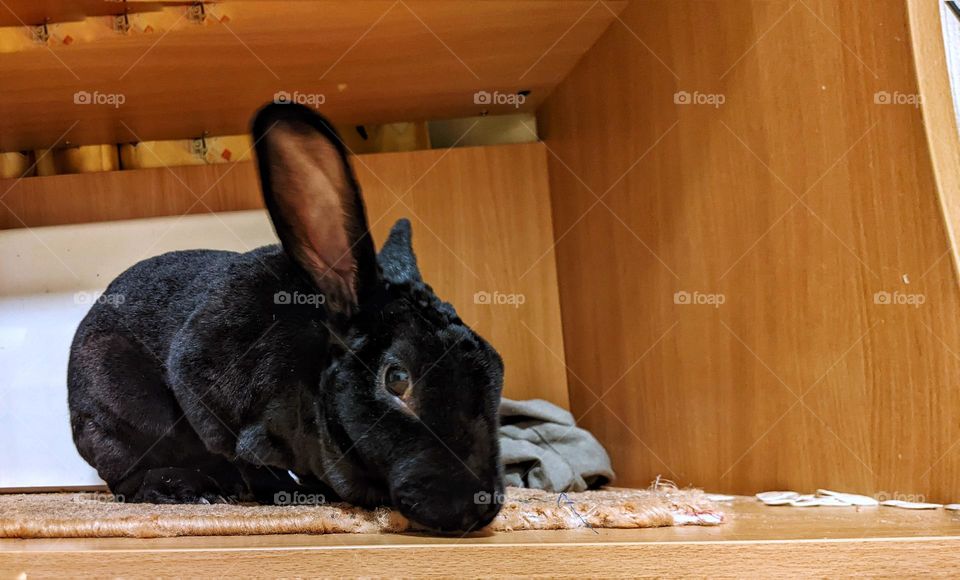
(808, 200)
(733, 150)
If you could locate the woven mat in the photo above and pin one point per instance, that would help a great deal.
(89, 515)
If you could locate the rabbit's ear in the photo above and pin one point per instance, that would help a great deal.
(315, 203)
(397, 260)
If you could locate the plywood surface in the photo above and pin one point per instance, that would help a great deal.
(480, 218)
(36, 12)
(757, 540)
(807, 200)
(367, 62)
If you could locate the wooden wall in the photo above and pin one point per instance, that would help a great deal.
(480, 217)
(370, 62)
(805, 201)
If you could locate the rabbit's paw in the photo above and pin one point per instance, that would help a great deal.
(178, 485)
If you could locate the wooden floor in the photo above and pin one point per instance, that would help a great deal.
(757, 540)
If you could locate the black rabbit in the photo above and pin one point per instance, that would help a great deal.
(316, 367)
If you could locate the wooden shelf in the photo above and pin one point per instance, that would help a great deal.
(758, 540)
(36, 12)
(376, 61)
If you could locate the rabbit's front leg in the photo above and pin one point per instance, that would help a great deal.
(274, 486)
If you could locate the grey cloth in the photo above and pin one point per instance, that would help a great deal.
(541, 447)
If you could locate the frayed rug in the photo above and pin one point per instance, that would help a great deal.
(96, 515)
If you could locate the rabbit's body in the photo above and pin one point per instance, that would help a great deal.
(184, 321)
(217, 373)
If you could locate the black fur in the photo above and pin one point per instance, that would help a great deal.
(203, 383)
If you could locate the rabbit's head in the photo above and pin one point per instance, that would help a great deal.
(412, 394)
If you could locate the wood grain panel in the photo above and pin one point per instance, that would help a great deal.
(36, 12)
(792, 179)
(758, 541)
(372, 62)
(480, 217)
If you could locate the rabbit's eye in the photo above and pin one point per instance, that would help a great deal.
(397, 381)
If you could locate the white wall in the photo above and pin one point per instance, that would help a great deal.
(47, 278)
(951, 45)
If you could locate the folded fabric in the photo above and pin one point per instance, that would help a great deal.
(541, 447)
